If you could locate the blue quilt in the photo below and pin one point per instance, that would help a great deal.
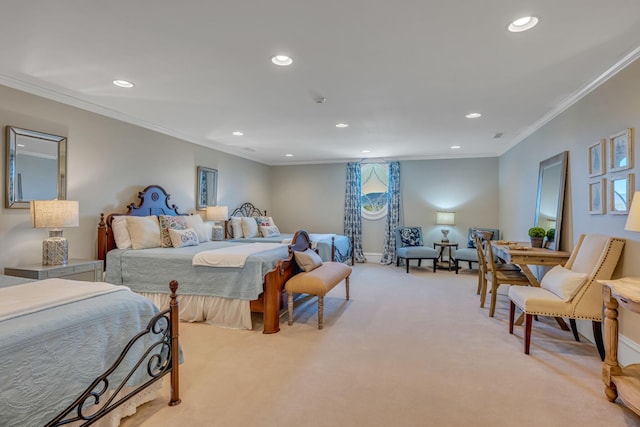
(49, 357)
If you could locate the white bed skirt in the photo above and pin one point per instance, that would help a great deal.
(218, 311)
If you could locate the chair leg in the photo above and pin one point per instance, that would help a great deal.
(435, 264)
(398, 261)
(483, 292)
(407, 262)
(597, 335)
(574, 329)
(469, 264)
(290, 308)
(456, 265)
(320, 312)
(512, 316)
(419, 262)
(494, 299)
(528, 320)
(346, 282)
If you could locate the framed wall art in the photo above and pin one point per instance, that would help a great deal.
(621, 150)
(597, 153)
(597, 197)
(621, 189)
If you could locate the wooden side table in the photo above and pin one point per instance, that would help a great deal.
(623, 382)
(89, 270)
(443, 262)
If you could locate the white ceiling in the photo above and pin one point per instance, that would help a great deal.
(402, 73)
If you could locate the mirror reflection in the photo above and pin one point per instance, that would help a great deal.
(550, 200)
(35, 167)
(207, 193)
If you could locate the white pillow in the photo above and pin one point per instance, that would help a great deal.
(249, 227)
(195, 221)
(269, 231)
(236, 227)
(308, 259)
(144, 231)
(182, 238)
(120, 232)
(563, 283)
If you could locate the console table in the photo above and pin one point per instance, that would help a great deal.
(89, 270)
(623, 382)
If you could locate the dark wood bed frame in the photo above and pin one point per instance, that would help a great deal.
(162, 357)
(154, 200)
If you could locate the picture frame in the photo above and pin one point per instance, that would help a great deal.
(621, 150)
(597, 154)
(621, 188)
(597, 199)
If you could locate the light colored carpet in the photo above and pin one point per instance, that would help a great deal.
(407, 350)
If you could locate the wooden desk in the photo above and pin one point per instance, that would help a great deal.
(531, 256)
(623, 382)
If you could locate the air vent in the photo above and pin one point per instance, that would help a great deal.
(497, 135)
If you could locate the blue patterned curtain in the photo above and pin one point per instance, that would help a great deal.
(352, 206)
(393, 214)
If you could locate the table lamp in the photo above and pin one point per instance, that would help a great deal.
(216, 214)
(633, 219)
(445, 218)
(54, 215)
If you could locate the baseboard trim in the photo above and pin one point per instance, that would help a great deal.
(628, 351)
(373, 257)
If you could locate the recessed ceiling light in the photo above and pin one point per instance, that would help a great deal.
(237, 133)
(523, 24)
(366, 151)
(455, 147)
(282, 60)
(342, 125)
(473, 115)
(288, 155)
(123, 83)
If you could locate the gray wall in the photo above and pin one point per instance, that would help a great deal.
(108, 163)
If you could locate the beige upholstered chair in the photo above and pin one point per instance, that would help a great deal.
(596, 256)
(496, 274)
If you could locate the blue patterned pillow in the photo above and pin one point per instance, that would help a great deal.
(411, 236)
(472, 232)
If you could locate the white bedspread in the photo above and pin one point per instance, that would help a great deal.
(35, 296)
(234, 256)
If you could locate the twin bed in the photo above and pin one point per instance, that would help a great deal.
(61, 339)
(223, 295)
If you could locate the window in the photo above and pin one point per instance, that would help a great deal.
(375, 181)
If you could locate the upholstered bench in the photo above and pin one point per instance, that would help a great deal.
(315, 276)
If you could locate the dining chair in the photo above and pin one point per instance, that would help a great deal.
(572, 291)
(497, 274)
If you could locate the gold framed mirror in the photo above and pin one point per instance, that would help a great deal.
(36, 167)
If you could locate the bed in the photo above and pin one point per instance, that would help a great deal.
(76, 351)
(330, 247)
(222, 295)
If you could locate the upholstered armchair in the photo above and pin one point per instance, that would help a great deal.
(470, 253)
(409, 245)
(572, 291)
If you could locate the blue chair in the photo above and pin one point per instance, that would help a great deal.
(409, 245)
(470, 253)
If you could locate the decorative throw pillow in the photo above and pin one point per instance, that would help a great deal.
(167, 222)
(269, 231)
(563, 283)
(411, 236)
(120, 232)
(195, 222)
(472, 232)
(308, 259)
(236, 227)
(144, 231)
(182, 238)
(249, 227)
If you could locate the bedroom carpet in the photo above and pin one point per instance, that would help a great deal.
(407, 350)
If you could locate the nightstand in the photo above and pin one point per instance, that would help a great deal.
(89, 270)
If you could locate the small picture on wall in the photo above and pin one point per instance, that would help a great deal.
(597, 197)
(621, 150)
(596, 158)
(620, 193)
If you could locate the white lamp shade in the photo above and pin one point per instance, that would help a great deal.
(445, 218)
(217, 213)
(633, 219)
(54, 213)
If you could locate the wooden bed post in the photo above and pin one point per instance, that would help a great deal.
(333, 248)
(175, 345)
(102, 239)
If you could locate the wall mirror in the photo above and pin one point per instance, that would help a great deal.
(550, 201)
(36, 167)
(207, 192)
